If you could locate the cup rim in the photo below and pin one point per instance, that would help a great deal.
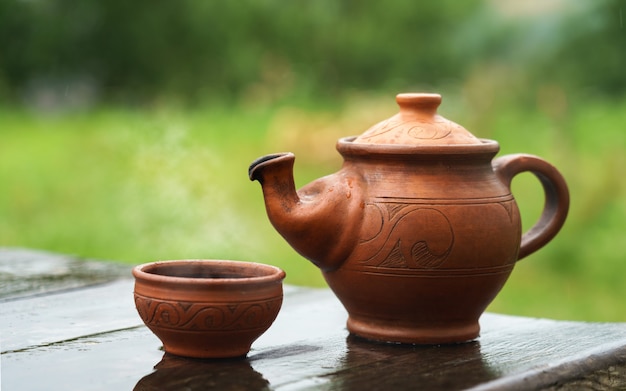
(266, 273)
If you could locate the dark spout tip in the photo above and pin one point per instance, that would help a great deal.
(252, 170)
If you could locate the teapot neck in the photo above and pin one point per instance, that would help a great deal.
(419, 172)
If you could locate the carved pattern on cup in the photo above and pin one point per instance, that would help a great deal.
(203, 316)
(404, 236)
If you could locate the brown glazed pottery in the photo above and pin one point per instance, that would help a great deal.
(208, 308)
(418, 231)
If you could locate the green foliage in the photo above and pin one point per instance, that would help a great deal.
(230, 51)
(593, 55)
(145, 49)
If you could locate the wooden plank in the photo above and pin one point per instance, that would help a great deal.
(512, 353)
(79, 335)
(124, 358)
(54, 318)
(309, 348)
(57, 317)
(26, 272)
(109, 361)
(121, 358)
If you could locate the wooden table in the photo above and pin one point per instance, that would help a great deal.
(69, 324)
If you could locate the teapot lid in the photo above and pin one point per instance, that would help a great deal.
(418, 123)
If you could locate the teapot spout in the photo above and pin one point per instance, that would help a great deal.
(313, 219)
(275, 174)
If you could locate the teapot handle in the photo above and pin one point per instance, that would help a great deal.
(556, 202)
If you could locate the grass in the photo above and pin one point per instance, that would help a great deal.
(137, 186)
(140, 185)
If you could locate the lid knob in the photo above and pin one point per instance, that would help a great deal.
(418, 104)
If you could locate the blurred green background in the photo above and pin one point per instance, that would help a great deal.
(126, 128)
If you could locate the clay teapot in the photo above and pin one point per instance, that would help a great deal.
(418, 231)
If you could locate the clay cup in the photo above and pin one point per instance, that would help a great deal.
(208, 308)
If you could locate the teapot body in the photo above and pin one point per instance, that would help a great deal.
(439, 236)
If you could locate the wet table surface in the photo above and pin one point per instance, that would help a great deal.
(67, 323)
